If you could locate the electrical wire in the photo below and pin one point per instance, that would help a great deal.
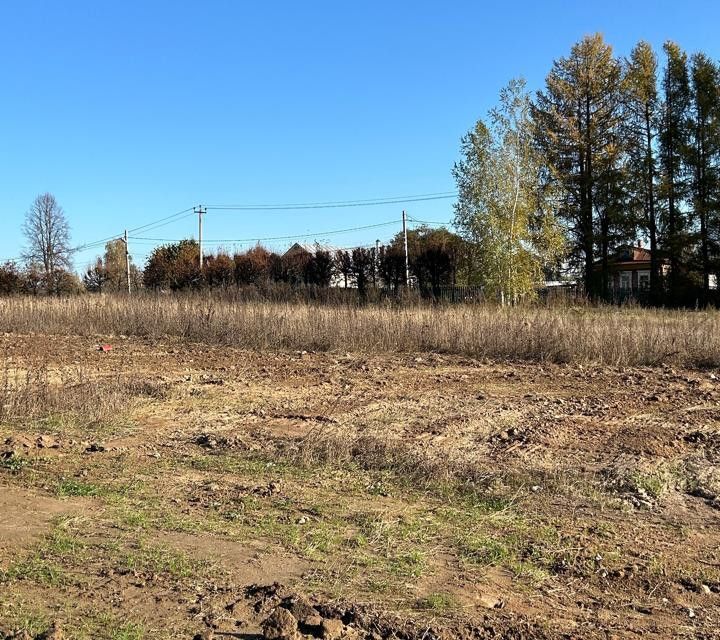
(93, 244)
(430, 222)
(72, 250)
(293, 237)
(171, 218)
(190, 211)
(444, 195)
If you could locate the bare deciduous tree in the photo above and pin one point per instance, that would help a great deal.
(48, 236)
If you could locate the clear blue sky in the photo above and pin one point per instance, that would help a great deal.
(130, 111)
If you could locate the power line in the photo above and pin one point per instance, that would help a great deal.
(432, 222)
(150, 226)
(293, 237)
(72, 250)
(333, 205)
(170, 218)
(94, 244)
(153, 227)
(185, 213)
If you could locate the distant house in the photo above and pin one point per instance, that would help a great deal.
(629, 269)
(305, 248)
(629, 273)
(301, 249)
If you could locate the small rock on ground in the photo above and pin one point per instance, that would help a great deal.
(53, 633)
(332, 629)
(280, 625)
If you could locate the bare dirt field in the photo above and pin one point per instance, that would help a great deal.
(168, 489)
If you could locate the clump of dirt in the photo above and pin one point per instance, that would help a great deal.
(54, 632)
(21, 442)
(708, 441)
(217, 441)
(283, 614)
(212, 495)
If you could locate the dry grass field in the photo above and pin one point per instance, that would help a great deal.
(565, 335)
(362, 473)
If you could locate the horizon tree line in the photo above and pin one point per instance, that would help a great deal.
(438, 257)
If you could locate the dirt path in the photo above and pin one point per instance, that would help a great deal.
(27, 515)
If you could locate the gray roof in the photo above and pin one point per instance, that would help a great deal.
(310, 248)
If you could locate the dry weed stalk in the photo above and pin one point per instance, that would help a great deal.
(36, 393)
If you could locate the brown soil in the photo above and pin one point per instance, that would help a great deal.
(418, 495)
(26, 515)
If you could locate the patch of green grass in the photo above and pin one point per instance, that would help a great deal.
(410, 564)
(320, 539)
(476, 500)
(380, 531)
(56, 422)
(79, 619)
(35, 568)
(170, 520)
(379, 585)
(75, 488)
(157, 558)
(127, 517)
(44, 565)
(654, 484)
(85, 422)
(603, 529)
(128, 631)
(14, 463)
(470, 513)
(17, 614)
(239, 463)
(531, 572)
(147, 511)
(484, 550)
(531, 553)
(207, 463)
(87, 622)
(437, 602)
(62, 544)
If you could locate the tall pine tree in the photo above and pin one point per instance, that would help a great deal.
(674, 146)
(704, 160)
(578, 118)
(642, 111)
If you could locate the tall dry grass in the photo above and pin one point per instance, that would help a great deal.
(618, 336)
(36, 392)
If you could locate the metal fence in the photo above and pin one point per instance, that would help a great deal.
(454, 293)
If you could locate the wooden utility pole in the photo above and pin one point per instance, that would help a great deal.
(200, 211)
(407, 261)
(127, 260)
(376, 264)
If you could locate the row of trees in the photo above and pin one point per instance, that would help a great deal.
(437, 257)
(31, 279)
(610, 151)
